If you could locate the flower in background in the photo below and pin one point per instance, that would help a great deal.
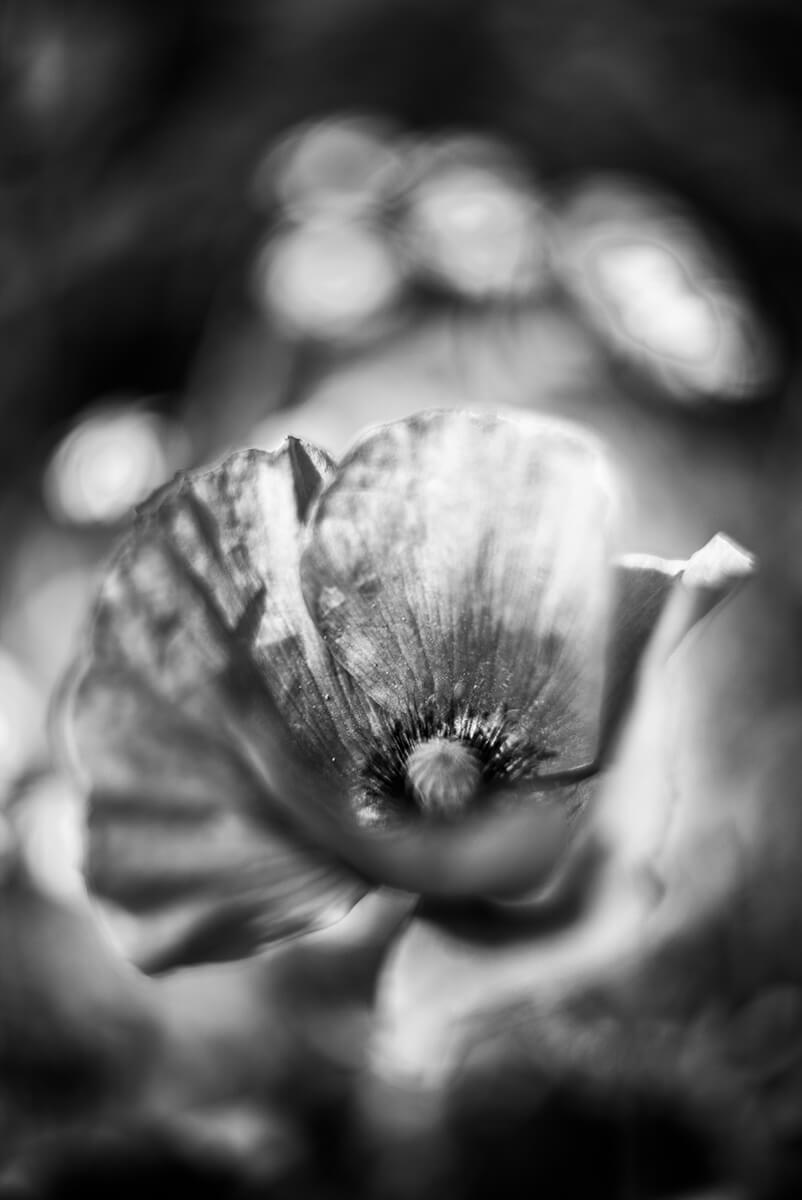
(366, 214)
(346, 166)
(662, 295)
(328, 270)
(331, 281)
(475, 223)
(368, 218)
(111, 459)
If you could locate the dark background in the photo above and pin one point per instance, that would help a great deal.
(124, 175)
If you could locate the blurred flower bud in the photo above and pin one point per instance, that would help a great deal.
(110, 460)
(344, 166)
(333, 281)
(662, 296)
(474, 224)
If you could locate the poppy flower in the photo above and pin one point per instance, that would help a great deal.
(407, 672)
(304, 680)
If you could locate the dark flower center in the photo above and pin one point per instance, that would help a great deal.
(443, 776)
(442, 759)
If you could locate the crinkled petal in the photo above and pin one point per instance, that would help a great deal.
(200, 639)
(464, 556)
(227, 542)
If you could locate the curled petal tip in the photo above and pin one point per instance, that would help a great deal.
(721, 563)
(709, 577)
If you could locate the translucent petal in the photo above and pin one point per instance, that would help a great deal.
(466, 557)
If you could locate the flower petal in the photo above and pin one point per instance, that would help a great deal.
(200, 635)
(182, 838)
(643, 585)
(230, 538)
(464, 556)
